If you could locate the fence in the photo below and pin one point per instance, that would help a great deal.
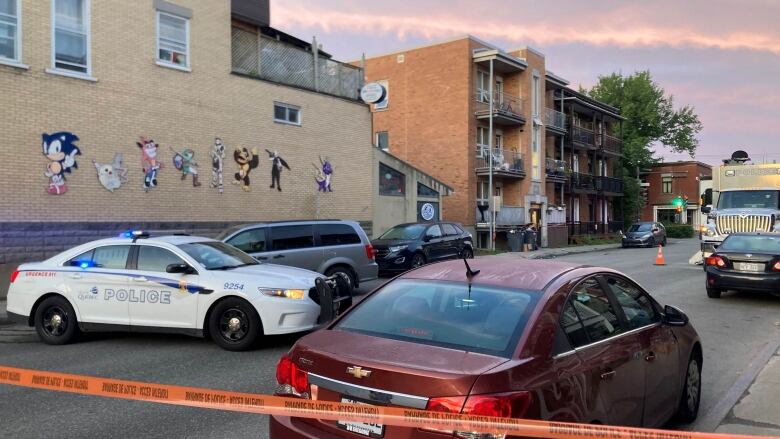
(503, 160)
(506, 216)
(256, 55)
(555, 119)
(609, 184)
(582, 135)
(503, 103)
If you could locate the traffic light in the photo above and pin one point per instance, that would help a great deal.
(678, 203)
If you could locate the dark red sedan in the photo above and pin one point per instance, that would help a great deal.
(518, 338)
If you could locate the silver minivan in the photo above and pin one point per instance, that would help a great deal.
(326, 246)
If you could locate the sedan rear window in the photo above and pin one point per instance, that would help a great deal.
(752, 244)
(475, 318)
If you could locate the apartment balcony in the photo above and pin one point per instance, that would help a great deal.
(583, 183)
(555, 121)
(612, 145)
(556, 170)
(609, 185)
(581, 136)
(507, 109)
(506, 217)
(506, 163)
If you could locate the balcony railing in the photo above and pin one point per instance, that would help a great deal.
(609, 184)
(265, 58)
(613, 144)
(582, 135)
(555, 119)
(504, 105)
(556, 168)
(505, 217)
(583, 181)
(505, 162)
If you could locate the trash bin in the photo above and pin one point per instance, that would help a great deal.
(515, 240)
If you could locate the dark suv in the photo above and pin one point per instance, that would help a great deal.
(412, 245)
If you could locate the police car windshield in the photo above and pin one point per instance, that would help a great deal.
(215, 255)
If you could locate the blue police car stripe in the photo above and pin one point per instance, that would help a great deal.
(172, 283)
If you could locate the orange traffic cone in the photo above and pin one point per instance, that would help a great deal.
(659, 258)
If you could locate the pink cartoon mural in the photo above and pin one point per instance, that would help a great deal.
(61, 150)
(149, 162)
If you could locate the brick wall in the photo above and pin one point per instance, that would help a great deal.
(133, 96)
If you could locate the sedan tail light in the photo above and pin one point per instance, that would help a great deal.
(14, 275)
(291, 380)
(716, 261)
(775, 266)
(502, 405)
(370, 252)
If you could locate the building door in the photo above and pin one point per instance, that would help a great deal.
(535, 217)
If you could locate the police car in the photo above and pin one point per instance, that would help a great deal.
(180, 284)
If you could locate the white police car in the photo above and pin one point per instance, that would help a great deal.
(181, 284)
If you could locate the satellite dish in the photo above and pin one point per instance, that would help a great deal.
(740, 156)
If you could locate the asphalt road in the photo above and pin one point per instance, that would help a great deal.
(734, 331)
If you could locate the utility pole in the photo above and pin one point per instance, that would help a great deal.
(490, 164)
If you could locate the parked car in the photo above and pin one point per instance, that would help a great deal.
(514, 338)
(174, 284)
(744, 261)
(646, 233)
(411, 245)
(325, 246)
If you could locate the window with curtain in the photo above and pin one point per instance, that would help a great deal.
(173, 40)
(71, 35)
(9, 29)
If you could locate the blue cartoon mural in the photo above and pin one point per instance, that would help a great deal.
(149, 162)
(61, 150)
(324, 174)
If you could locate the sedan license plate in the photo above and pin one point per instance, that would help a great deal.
(749, 266)
(376, 431)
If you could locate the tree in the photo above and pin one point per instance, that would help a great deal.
(651, 119)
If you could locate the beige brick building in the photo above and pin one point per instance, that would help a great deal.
(554, 151)
(181, 73)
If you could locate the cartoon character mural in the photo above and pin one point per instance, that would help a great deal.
(277, 163)
(149, 162)
(217, 162)
(247, 160)
(324, 174)
(185, 162)
(111, 176)
(61, 150)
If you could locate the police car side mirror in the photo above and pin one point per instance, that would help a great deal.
(180, 268)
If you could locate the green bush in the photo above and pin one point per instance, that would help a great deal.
(679, 230)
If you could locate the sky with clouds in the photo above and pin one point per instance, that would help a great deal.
(720, 56)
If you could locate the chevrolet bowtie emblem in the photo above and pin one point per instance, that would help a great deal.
(358, 372)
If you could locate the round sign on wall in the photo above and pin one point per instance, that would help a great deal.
(427, 211)
(372, 93)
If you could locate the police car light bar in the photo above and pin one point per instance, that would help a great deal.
(135, 234)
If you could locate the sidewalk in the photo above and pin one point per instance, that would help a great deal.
(758, 410)
(548, 253)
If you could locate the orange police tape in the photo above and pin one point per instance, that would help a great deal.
(275, 405)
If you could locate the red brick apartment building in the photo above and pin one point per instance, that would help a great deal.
(665, 182)
(555, 152)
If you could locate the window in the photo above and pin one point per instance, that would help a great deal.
(292, 237)
(572, 326)
(535, 94)
(152, 258)
(250, 241)
(337, 234)
(448, 230)
(483, 141)
(476, 318)
(10, 35)
(594, 310)
(110, 256)
(285, 113)
(382, 140)
(425, 191)
(391, 182)
(173, 40)
(382, 105)
(667, 184)
(536, 155)
(483, 86)
(433, 232)
(70, 36)
(215, 255)
(637, 307)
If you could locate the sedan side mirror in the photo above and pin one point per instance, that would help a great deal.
(427, 238)
(674, 317)
(180, 268)
(706, 209)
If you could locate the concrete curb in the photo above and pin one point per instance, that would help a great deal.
(557, 252)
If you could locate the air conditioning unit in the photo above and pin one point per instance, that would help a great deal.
(496, 205)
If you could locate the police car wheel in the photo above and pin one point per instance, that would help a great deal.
(55, 321)
(234, 325)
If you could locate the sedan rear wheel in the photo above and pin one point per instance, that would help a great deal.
(691, 393)
(234, 324)
(713, 293)
(55, 321)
